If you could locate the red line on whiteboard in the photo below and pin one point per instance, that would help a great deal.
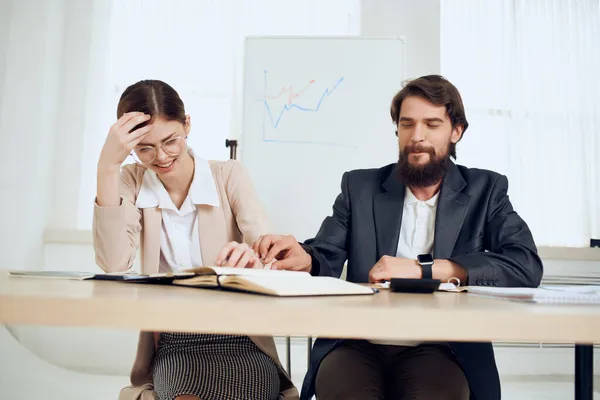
(290, 91)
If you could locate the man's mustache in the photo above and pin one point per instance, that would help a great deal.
(419, 149)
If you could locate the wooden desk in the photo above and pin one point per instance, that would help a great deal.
(441, 316)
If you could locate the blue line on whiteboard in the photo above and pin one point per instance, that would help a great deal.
(288, 107)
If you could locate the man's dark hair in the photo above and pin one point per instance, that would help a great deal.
(439, 91)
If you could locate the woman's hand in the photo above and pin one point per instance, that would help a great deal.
(238, 255)
(120, 141)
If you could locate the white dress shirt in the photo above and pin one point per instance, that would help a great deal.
(179, 237)
(417, 232)
(418, 226)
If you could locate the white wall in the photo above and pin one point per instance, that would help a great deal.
(417, 20)
(5, 10)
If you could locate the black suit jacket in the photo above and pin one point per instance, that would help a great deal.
(475, 227)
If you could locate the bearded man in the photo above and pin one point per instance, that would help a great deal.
(422, 217)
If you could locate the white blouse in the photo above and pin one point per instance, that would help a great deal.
(179, 238)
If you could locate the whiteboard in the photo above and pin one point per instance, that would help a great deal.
(313, 109)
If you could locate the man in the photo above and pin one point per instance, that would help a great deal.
(391, 222)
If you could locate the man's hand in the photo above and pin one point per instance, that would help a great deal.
(283, 251)
(393, 267)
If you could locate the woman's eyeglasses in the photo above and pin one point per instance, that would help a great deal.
(171, 147)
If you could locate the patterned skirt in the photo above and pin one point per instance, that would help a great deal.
(213, 367)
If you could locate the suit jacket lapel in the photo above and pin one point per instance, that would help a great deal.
(387, 210)
(451, 210)
(212, 230)
(151, 219)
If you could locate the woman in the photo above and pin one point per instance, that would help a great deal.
(183, 212)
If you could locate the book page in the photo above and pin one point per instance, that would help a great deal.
(280, 285)
(247, 272)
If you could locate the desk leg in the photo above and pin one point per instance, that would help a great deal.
(309, 346)
(288, 355)
(584, 372)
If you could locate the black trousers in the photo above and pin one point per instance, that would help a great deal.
(361, 370)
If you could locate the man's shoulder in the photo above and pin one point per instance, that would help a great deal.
(480, 180)
(477, 173)
(366, 181)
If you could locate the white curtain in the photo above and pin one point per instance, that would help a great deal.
(528, 74)
(197, 47)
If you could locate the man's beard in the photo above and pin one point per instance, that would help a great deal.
(422, 175)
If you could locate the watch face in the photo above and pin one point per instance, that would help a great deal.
(425, 258)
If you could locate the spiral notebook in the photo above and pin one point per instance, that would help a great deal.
(542, 295)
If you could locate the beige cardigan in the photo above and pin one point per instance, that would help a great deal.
(119, 231)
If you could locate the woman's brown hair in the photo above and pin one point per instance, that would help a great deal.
(152, 97)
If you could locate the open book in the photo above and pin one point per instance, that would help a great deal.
(261, 281)
(270, 282)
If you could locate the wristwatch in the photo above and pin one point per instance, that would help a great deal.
(426, 263)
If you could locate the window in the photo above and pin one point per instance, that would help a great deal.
(527, 72)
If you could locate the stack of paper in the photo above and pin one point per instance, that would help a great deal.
(544, 294)
(570, 280)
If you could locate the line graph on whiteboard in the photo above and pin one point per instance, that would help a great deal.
(293, 101)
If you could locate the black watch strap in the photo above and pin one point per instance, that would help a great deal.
(427, 272)
(315, 266)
